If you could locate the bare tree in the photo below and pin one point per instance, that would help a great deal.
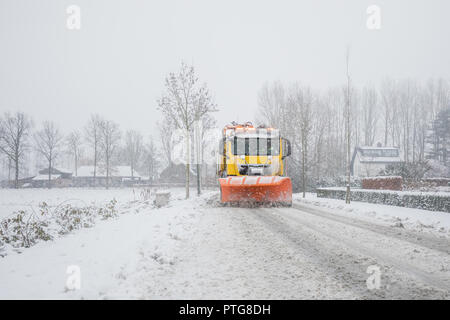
(347, 115)
(389, 103)
(208, 123)
(369, 108)
(74, 147)
(150, 160)
(166, 129)
(92, 135)
(133, 148)
(406, 103)
(14, 133)
(48, 144)
(277, 111)
(302, 99)
(343, 118)
(185, 101)
(109, 143)
(273, 105)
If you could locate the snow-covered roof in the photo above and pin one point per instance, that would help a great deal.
(124, 171)
(44, 177)
(378, 154)
(64, 170)
(117, 171)
(56, 171)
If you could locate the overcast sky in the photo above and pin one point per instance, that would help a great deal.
(116, 63)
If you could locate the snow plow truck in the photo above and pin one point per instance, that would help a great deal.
(251, 167)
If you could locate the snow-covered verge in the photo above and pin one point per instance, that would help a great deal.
(104, 254)
(48, 220)
(435, 201)
(28, 199)
(410, 218)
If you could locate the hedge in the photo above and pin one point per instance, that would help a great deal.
(383, 183)
(418, 200)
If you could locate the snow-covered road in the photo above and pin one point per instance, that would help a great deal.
(199, 250)
(299, 253)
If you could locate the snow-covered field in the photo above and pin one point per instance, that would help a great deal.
(22, 199)
(196, 249)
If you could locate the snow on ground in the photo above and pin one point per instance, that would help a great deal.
(414, 219)
(102, 253)
(28, 199)
(196, 249)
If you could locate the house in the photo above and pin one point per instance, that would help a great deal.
(119, 176)
(176, 174)
(58, 178)
(23, 182)
(42, 180)
(369, 161)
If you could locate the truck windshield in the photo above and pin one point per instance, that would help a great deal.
(256, 146)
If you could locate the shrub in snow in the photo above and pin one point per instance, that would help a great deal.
(383, 183)
(438, 182)
(109, 211)
(23, 230)
(145, 194)
(438, 169)
(2, 249)
(68, 217)
(410, 171)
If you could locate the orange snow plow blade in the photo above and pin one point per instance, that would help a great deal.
(256, 189)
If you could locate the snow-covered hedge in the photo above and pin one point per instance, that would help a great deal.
(434, 201)
(440, 182)
(23, 228)
(383, 183)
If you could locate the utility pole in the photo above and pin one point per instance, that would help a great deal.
(347, 194)
(197, 139)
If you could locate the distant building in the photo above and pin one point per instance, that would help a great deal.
(58, 178)
(119, 176)
(369, 161)
(176, 174)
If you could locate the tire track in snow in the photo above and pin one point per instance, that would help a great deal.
(348, 246)
(421, 239)
(233, 255)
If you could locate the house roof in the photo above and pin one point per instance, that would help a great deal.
(44, 177)
(117, 171)
(378, 154)
(381, 155)
(56, 171)
(64, 170)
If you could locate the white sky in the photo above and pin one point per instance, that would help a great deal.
(115, 65)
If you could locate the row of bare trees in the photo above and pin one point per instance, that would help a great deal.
(397, 113)
(186, 103)
(101, 139)
(15, 134)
